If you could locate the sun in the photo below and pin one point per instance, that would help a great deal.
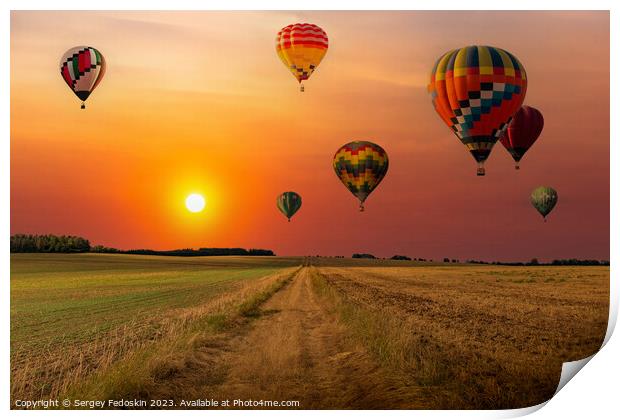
(195, 203)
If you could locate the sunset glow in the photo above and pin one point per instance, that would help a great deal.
(191, 104)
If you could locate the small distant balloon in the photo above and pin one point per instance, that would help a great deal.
(523, 131)
(361, 166)
(82, 68)
(544, 200)
(289, 203)
(301, 47)
(476, 90)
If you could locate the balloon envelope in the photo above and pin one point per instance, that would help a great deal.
(361, 166)
(82, 68)
(288, 203)
(544, 200)
(476, 90)
(301, 47)
(524, 129)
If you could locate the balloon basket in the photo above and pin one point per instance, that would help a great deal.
(361, 207)
(301, 88)
(480, 171)
(517, 167)
(83, 106)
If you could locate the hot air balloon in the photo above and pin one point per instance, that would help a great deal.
(544, 200)
(301, 47)
(361, 165)
(524, 129)
(82, 68)
(476, 90)
(288, 203)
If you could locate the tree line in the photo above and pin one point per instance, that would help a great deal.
(532, 262)
(535, 262)
(72, 244)
(49, 243)
(202, 252)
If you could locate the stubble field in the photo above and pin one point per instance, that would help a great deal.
(328, 333)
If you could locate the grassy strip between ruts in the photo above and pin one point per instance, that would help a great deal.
(138, 375)
(400, 348)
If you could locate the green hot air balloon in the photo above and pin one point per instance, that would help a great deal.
(544, 200)
(288, 203)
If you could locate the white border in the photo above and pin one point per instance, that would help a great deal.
(593, 394)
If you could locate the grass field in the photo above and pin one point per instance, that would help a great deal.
(329, 333)
(71, 314)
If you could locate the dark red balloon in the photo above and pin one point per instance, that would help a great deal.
(524, 129)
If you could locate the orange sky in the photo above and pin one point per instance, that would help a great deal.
(199, 102)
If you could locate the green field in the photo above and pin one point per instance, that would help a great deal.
(62, 303)
(75, 297)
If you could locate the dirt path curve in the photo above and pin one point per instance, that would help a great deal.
(299, 351)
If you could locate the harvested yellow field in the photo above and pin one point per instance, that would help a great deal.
(481, 336)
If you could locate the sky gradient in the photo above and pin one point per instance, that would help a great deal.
(199, 102)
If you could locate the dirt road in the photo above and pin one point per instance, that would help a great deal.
(297, 350)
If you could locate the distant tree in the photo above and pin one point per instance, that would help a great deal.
(534, 261)
(574, 261)
(104, 249)
(401, 257)
(263, 252)
(446, 260)
(369, 256)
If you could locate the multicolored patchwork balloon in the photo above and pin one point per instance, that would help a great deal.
(288, 203)
(476, 90)
(301, 47)
(544, 200)
(524, 129)
(82, 68)
(361, 165)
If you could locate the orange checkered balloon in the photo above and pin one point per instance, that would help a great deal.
(476, 90)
